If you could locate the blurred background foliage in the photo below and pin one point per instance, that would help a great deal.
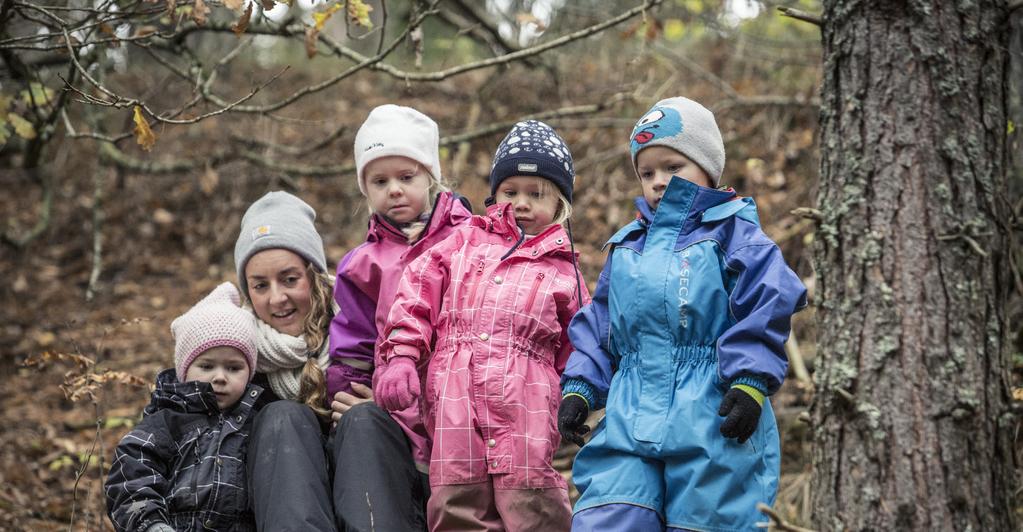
(105, 242)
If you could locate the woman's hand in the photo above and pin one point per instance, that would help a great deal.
(344, 401)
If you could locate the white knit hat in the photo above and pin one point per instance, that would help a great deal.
(216, 321)
(395, 130)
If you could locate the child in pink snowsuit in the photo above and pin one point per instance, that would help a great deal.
(377, 456)
(480, 324)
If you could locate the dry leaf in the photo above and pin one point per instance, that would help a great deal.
(653, 29)
(22, 127)
(43, 359)
(358, 12)
(208, 181)
(142, 31)
(171, 6)
(529, 18)
(199, 12)
(143, 135)
(268, 4)
(243, 22)
(321, 18)
(163, 216)
(235, 5)
(311, 35)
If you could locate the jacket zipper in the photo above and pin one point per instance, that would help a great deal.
(475, 283)
(532, 292)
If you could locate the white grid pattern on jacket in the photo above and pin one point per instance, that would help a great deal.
(501, 328)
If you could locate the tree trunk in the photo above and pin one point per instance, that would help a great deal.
(912, 421)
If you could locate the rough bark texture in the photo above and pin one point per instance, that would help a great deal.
(912, 421)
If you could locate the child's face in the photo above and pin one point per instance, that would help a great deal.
(397, 187)
(226, 369)
(657, 164)
(280, 289)
(534, 199)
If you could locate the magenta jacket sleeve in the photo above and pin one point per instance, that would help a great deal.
(353, 334)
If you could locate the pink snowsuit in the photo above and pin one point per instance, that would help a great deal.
(486, 317)
(367, 279)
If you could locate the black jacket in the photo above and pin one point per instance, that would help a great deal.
(184, 464)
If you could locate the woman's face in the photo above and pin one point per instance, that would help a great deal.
(279, 289)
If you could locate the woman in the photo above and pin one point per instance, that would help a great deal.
(291, 469)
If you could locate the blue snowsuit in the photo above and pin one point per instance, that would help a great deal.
(693, 299)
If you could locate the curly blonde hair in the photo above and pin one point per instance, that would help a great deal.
(312, 387)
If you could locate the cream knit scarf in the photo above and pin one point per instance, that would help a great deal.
(281, 357)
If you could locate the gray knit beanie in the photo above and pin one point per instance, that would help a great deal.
(686, 127)
(278, 220)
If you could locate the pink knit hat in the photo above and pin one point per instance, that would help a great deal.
(218, 320)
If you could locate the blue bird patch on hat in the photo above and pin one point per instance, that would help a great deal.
(660, 122)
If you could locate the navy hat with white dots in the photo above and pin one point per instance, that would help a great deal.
(533, 148)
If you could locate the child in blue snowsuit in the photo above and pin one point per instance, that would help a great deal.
(683, 342)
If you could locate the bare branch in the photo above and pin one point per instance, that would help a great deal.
(484, 63)
(766, 100)
(97, 235)
(546, 115)
(695, 67)
(800, 15)
(808, 212)
(487, 30)
(119, 158)
(293, 150)
(777, 522)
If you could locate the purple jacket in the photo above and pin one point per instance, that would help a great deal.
(367, 280)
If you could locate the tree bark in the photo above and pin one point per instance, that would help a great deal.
(912, 421)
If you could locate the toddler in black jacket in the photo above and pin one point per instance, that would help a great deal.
(183, 467)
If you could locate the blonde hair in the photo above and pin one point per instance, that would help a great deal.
(564, 212)
(415, 229)
(312, 385)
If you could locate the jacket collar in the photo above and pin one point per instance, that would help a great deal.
(500, 219)
(194, 397)
(683, 201)
(681, 210)
(448, 209)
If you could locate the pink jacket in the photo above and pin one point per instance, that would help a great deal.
(367, 279)
(497, 312)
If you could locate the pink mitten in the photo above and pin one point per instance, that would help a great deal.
(399, 385)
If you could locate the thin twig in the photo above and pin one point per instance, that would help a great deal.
(969, 241)
(97, 235)
(808, 212)
(777, 522)
(293, 150)
(796, 359)
(484, 63)
(800, 15)
(81, 472)
(844, 394)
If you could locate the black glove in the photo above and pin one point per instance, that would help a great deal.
(741, 413)
(571, 416)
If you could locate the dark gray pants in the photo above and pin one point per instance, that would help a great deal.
(375, 485)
